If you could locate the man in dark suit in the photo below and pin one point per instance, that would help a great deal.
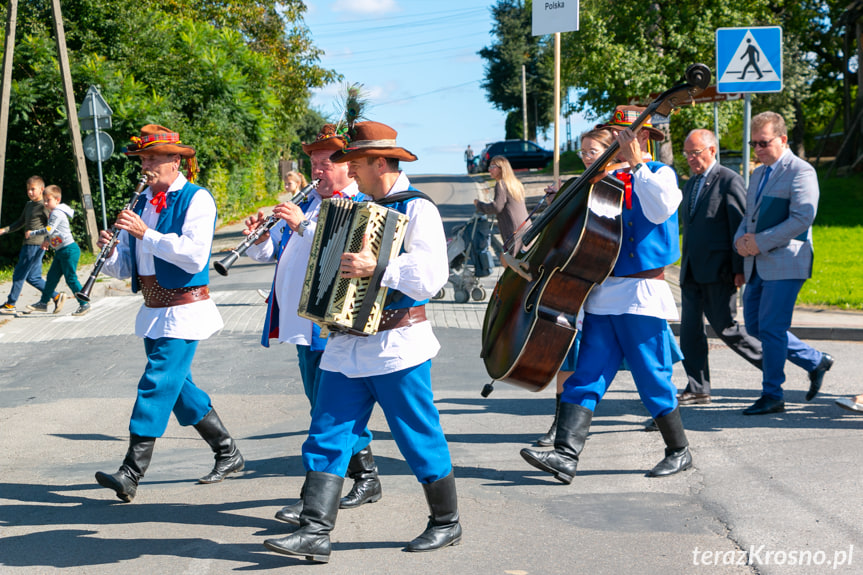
(714, 200)
(775, 237)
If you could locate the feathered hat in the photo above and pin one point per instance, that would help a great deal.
(155, 139)
(334, 137)
(623, 118)
(372, 139)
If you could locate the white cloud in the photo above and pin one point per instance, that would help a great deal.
(366, 6)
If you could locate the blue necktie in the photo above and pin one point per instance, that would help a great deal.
(693, 198)
(762, 182)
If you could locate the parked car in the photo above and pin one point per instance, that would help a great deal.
(520, 153)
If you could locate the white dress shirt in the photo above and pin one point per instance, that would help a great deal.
(291, 270)
(189, 251)
(659, 197)
(419, 273)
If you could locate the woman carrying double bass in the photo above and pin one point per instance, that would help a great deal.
(626, 317)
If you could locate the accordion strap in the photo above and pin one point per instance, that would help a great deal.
(365, 310)
(403, 196)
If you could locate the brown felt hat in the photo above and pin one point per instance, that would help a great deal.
(155, 139)
(623, 118)
(327, 139)
(372, 139)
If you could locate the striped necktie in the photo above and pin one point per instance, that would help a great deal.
(693, 197)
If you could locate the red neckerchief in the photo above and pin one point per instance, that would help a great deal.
(160, 200)
(626, 178)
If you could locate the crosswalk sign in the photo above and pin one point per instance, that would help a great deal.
(749, 59)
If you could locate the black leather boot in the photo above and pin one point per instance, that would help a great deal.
(125, 481)
(228, 457)
(320, 507)
(547, 440)
(291, 513)
(573, 423)
(443, 528)
(367, 485)
(677, 456)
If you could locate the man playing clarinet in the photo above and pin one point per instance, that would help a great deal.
(166, 251)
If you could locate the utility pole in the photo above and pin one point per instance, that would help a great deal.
(74, 129)
(524, 102)
(6, 87)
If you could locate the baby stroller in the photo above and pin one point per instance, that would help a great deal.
(470, 258)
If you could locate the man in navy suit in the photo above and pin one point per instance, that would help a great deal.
(714, 200)
(775, 238)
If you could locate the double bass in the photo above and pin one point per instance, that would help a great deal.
(573, 245)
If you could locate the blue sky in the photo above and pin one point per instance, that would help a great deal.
(418, 62)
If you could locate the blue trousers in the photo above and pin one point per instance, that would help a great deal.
(28, 269)
(167, 386)
(767, 310)
(310, 360)
(343, 409)
(646, 344)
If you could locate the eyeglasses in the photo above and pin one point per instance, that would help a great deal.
(589, 154)
(761, 143)
(693, 153)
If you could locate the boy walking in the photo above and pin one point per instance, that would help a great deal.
(29, 266)
(66, 253)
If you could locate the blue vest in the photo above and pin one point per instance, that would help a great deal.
(171, 220)
(645, 245)
(396, 299)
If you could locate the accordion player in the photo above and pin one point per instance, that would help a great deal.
(349, 305)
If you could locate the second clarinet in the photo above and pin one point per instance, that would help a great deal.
(225, 263)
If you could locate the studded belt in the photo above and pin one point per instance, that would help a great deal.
(158, 296)
(396, 318)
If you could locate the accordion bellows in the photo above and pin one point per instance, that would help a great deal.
(350, 305)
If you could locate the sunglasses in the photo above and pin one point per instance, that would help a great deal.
(761, 143)
(589, 154)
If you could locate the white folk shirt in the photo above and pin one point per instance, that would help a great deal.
(190, 252)
(659, 197)
(420, 272)
(291, 270)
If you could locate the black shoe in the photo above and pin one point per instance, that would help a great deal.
(547, 440)
(125, 481)
(228, 456)
(367, 485)
(573, 424)
(443, 528)
(765, 405)
(317, 520)
(650, 426)
(677, 456)
(816, 376)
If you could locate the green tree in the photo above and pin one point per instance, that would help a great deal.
(232, 78)
(512, 46)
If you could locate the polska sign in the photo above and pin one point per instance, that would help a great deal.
(707, 96)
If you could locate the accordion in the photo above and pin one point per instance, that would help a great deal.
(349, 305)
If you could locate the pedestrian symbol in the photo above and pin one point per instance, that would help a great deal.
(749, 59)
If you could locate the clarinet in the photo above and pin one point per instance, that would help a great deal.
(84, 294)
(225, 264)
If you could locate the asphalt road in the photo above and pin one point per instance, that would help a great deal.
(770, 495)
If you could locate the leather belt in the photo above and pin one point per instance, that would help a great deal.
(157, 296)
(654, 274)
(396, 318)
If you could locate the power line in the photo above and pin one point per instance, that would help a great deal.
(414, 97)
(425, 16)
